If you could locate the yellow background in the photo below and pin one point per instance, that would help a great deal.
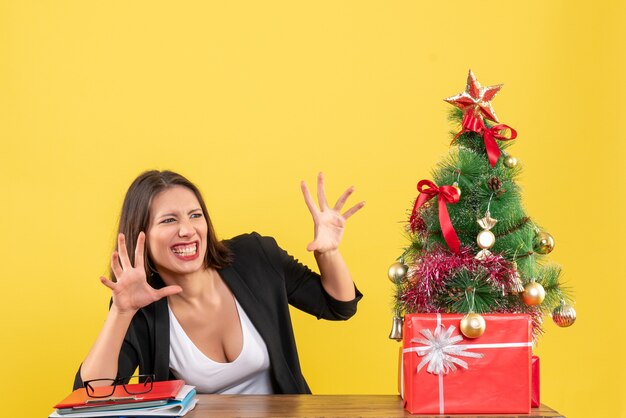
(248, 98)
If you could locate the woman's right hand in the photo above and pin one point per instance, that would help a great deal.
(131, 290)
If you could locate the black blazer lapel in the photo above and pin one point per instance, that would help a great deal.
(161, 343)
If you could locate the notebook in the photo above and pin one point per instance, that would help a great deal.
(162, 390)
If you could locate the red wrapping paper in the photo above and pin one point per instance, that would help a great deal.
(535, 399)
(499, 382)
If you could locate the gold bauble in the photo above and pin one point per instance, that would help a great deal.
(534, 294)
(473, 325)
(510, 161)
(564, 315)
(456, 186)
(485, 239)
(397, 272)
(543, 243)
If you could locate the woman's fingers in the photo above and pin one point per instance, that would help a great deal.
(123, 252)
(353, 210)
(141, 239)
(308, 198)
(321, 195)
(115, 265)
(167, 291)
(108, 283)
(342, 199)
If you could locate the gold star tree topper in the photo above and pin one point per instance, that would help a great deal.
(476, 99)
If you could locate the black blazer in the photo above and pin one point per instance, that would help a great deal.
(265, 280)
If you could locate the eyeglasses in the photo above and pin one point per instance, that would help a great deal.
(104, 388)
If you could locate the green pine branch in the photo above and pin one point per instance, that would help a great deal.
(465, 289)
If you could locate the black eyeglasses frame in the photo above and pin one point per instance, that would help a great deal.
(146, 379)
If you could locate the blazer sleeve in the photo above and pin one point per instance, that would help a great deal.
(304, 287)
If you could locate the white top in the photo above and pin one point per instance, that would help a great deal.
(249, 373)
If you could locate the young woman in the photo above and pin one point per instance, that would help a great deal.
(213, 313)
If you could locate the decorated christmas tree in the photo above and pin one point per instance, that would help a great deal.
(472, 247)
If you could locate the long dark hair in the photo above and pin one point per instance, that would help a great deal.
(135, 217)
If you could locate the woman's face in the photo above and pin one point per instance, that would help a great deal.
(177, 233)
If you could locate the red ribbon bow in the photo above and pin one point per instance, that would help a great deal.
(447, 194)
(472, 123)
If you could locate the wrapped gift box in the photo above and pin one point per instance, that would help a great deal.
(535, 400)
(447, 373)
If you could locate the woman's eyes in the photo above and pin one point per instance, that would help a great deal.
(192, 216)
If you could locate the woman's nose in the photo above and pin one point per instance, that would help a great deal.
(185, 229)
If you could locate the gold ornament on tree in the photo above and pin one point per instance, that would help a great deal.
(472, 325)
(456, 186)
(510, 161)
(397, 272)
(533, 294)
(456, 183)
(516, 285)
(543, 243)
(396, 327)
(564, 315)
(486, 238)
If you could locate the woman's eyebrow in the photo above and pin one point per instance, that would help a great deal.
(160, 215)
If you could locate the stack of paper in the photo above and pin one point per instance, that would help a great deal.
(166, 399)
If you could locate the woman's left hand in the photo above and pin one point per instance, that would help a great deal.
(329, 222)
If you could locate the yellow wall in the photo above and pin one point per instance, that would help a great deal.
(246, 99)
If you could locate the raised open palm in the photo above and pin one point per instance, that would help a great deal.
(131, 290)
(329, 223)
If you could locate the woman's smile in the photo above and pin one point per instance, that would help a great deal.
(186, 251)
